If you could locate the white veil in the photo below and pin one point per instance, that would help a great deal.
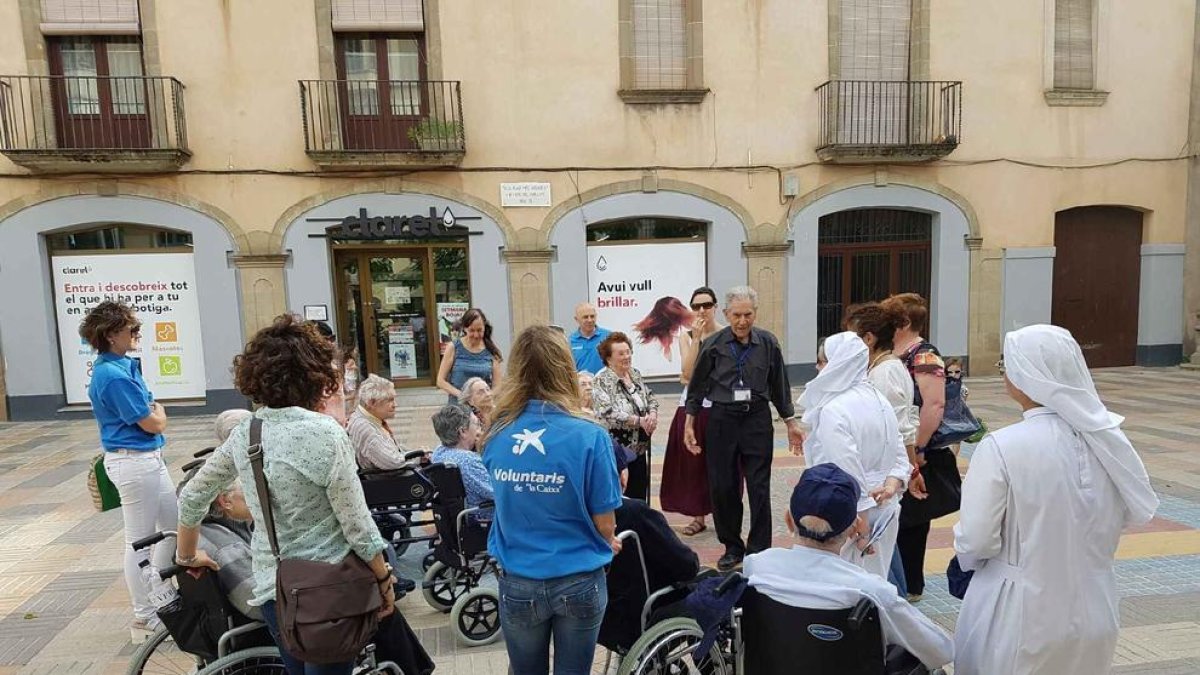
(1046, 363)
(848, 359)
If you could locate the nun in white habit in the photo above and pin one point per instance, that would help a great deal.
(854, 426)
(1043, 506)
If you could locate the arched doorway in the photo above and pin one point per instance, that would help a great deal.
(865, 255)
(1097, 279)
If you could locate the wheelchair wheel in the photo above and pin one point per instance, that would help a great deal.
(475, 618)
(428, 561)
(393, 527)
(442, 586)
(159, 655)
(253, 661)
(666, 649)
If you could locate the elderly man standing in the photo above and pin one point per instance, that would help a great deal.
(1043, 506)
(586, 340)
(740, 369)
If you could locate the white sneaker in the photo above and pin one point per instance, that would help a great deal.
(141, 629)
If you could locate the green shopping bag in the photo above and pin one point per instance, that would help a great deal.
(104, 494)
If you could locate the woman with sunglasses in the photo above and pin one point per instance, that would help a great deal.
(685, 476)
(131, 426)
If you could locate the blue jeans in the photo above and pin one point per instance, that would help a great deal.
(896, 573)
(294, 665)
(569, 609)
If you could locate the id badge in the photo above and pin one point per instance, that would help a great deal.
(741, 395)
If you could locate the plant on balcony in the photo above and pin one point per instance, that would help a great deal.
(435, 134)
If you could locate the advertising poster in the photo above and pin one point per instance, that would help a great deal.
(161, 289)
(402, 352)
(448, 314)
(642, 290)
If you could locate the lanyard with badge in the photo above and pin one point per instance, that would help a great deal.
(741, 393)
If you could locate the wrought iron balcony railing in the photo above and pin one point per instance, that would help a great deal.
(414, 121)
(51, 119)
(863, 120)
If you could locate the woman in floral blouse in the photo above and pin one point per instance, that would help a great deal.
(623, 403)
(317, 500)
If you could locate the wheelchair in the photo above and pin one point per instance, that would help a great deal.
(764, 637)
(396, 514)
(459, 562)
(203, 633)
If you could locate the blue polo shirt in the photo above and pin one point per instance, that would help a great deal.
(587, 356)
(120, 400)
(551, 472)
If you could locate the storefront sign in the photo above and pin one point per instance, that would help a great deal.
(642, 290)
(525, 194)
(363, 226)
(161, 289)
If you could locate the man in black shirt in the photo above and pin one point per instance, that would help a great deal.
(741, 370)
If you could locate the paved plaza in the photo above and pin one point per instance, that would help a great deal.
(64, 609)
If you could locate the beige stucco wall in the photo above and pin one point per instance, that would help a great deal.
(539, 85)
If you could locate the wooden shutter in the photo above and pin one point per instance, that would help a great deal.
(378, 15)
(89, 17)
(1074, 51)
(659, 44)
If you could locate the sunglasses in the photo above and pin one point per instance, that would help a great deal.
(1000, 365)
(697, 306)
(954, 372)
(135, 331)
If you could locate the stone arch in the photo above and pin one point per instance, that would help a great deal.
(385, 186)
(27, 319)
(236, 234)
(953, 225)
(627, 199)
(809, 198)
(308, 272)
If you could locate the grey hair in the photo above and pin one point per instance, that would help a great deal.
(821, 526)
(228, 420)
(464, 395)
(741, 293)
(450, 421)
(214, 510)
(375, 389)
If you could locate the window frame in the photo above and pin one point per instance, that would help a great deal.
(1098, 94)
(693, 90)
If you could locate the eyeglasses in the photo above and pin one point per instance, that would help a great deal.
(1000, 365)
(135, 331)
(953, 373)
(697, 306)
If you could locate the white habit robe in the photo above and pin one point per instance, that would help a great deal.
(1040, 523)
(857, 431)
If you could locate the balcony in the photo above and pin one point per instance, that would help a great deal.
(866, 122)
(352, 124)
(57, 124)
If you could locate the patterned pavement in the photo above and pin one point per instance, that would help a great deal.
(64, 608)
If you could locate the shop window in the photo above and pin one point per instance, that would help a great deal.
(631, 229)
(117, 237)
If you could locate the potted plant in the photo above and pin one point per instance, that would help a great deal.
(434, 134)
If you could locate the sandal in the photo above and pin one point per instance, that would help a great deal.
(694, 528)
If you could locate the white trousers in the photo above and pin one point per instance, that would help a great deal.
(148, 505)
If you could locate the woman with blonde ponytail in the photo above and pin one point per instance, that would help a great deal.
(555, 479)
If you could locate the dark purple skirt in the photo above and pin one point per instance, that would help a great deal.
(684, 487)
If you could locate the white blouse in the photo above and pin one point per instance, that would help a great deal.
(892, 379)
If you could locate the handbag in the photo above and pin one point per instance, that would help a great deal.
(944, 485)
(327, 611)
(958, 423)
(958, 579)
(636, 439)
(105, 495)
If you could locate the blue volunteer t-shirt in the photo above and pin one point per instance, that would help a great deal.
(551, 472)
(587, 356)
(120, 400)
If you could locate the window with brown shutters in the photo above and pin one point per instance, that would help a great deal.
(378, 15)
(661, 51)
(1074, 47)
(81, 17)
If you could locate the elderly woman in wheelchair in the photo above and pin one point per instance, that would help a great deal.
(803, 605)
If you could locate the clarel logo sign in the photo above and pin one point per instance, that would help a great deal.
(365, 226)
